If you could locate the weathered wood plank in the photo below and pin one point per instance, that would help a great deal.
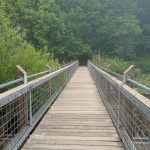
(69, 147)
(76, 127)
(74, 142)
(76, 130)
(78, 120)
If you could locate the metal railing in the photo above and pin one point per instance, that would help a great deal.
(133, 82)
(22, 107)
(13, 82)
(129, 110)
(145, 88)
(10, 83)
(110, 71)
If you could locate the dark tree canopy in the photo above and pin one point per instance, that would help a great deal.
(75, 29)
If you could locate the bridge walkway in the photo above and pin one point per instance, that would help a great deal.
(78, 120)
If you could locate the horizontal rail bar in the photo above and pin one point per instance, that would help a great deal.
(22, 107)
(133, 82)
(129, 110)
(11, 94)
(109, 71)
(21, 79)
(10, 83)
(136, 98)
(37, 74)
(139, 85)
(112, 72)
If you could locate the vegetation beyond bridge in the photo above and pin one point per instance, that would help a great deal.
(34, 33)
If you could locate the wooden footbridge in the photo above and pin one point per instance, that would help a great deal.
(74, 108)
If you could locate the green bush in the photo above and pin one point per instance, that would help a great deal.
(143, 64)
(15, 51)
(144, 79)
(115, 64)
(119, 66)
(30, 60)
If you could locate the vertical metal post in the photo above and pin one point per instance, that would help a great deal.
(129, 74)
(49, 86)
(48, 68)
(119, 98)
(21, 73)
(108, 90)
(99, 57)
(30, 108)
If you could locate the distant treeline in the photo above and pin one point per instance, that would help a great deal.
(35, 32)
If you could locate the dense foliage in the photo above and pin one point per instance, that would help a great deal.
(14, 50)
(72, 29)
(113, 63)
(118, 65)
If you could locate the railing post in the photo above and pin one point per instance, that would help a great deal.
(59, 67)
(48, 68)
(21, 73)
(99, 59)
(30, 109)
(49, 86)
(129, 74)
(119, 107)
(108, 91)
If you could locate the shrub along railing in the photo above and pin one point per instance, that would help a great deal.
(129, 110)
(22, 76)
(126, 79)
(22, 107)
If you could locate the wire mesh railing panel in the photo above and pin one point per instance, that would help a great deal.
(58, 82)
(128, 111)
(13, 118)
(135, 123)
(39, 96)
(21, 108)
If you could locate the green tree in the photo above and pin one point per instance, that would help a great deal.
(104, 25)
(16, 51)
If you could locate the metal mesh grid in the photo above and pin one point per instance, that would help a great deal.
(39, 96)
(13, 118)
(58, 82)
(43, 92)
(18, 117)
(132, 124)
(135, 123)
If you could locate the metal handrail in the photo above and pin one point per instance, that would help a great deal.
(23, 106)
(4, 85)
(129, 110)
(133, 82)
(145, 88)
(37, 74)
(10, 83)
(108, 70)
(112, 72)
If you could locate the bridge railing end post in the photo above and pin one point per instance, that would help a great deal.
(48, 68)
(21, 73)
(129, 74)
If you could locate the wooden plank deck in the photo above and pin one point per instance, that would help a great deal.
(78, 120)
